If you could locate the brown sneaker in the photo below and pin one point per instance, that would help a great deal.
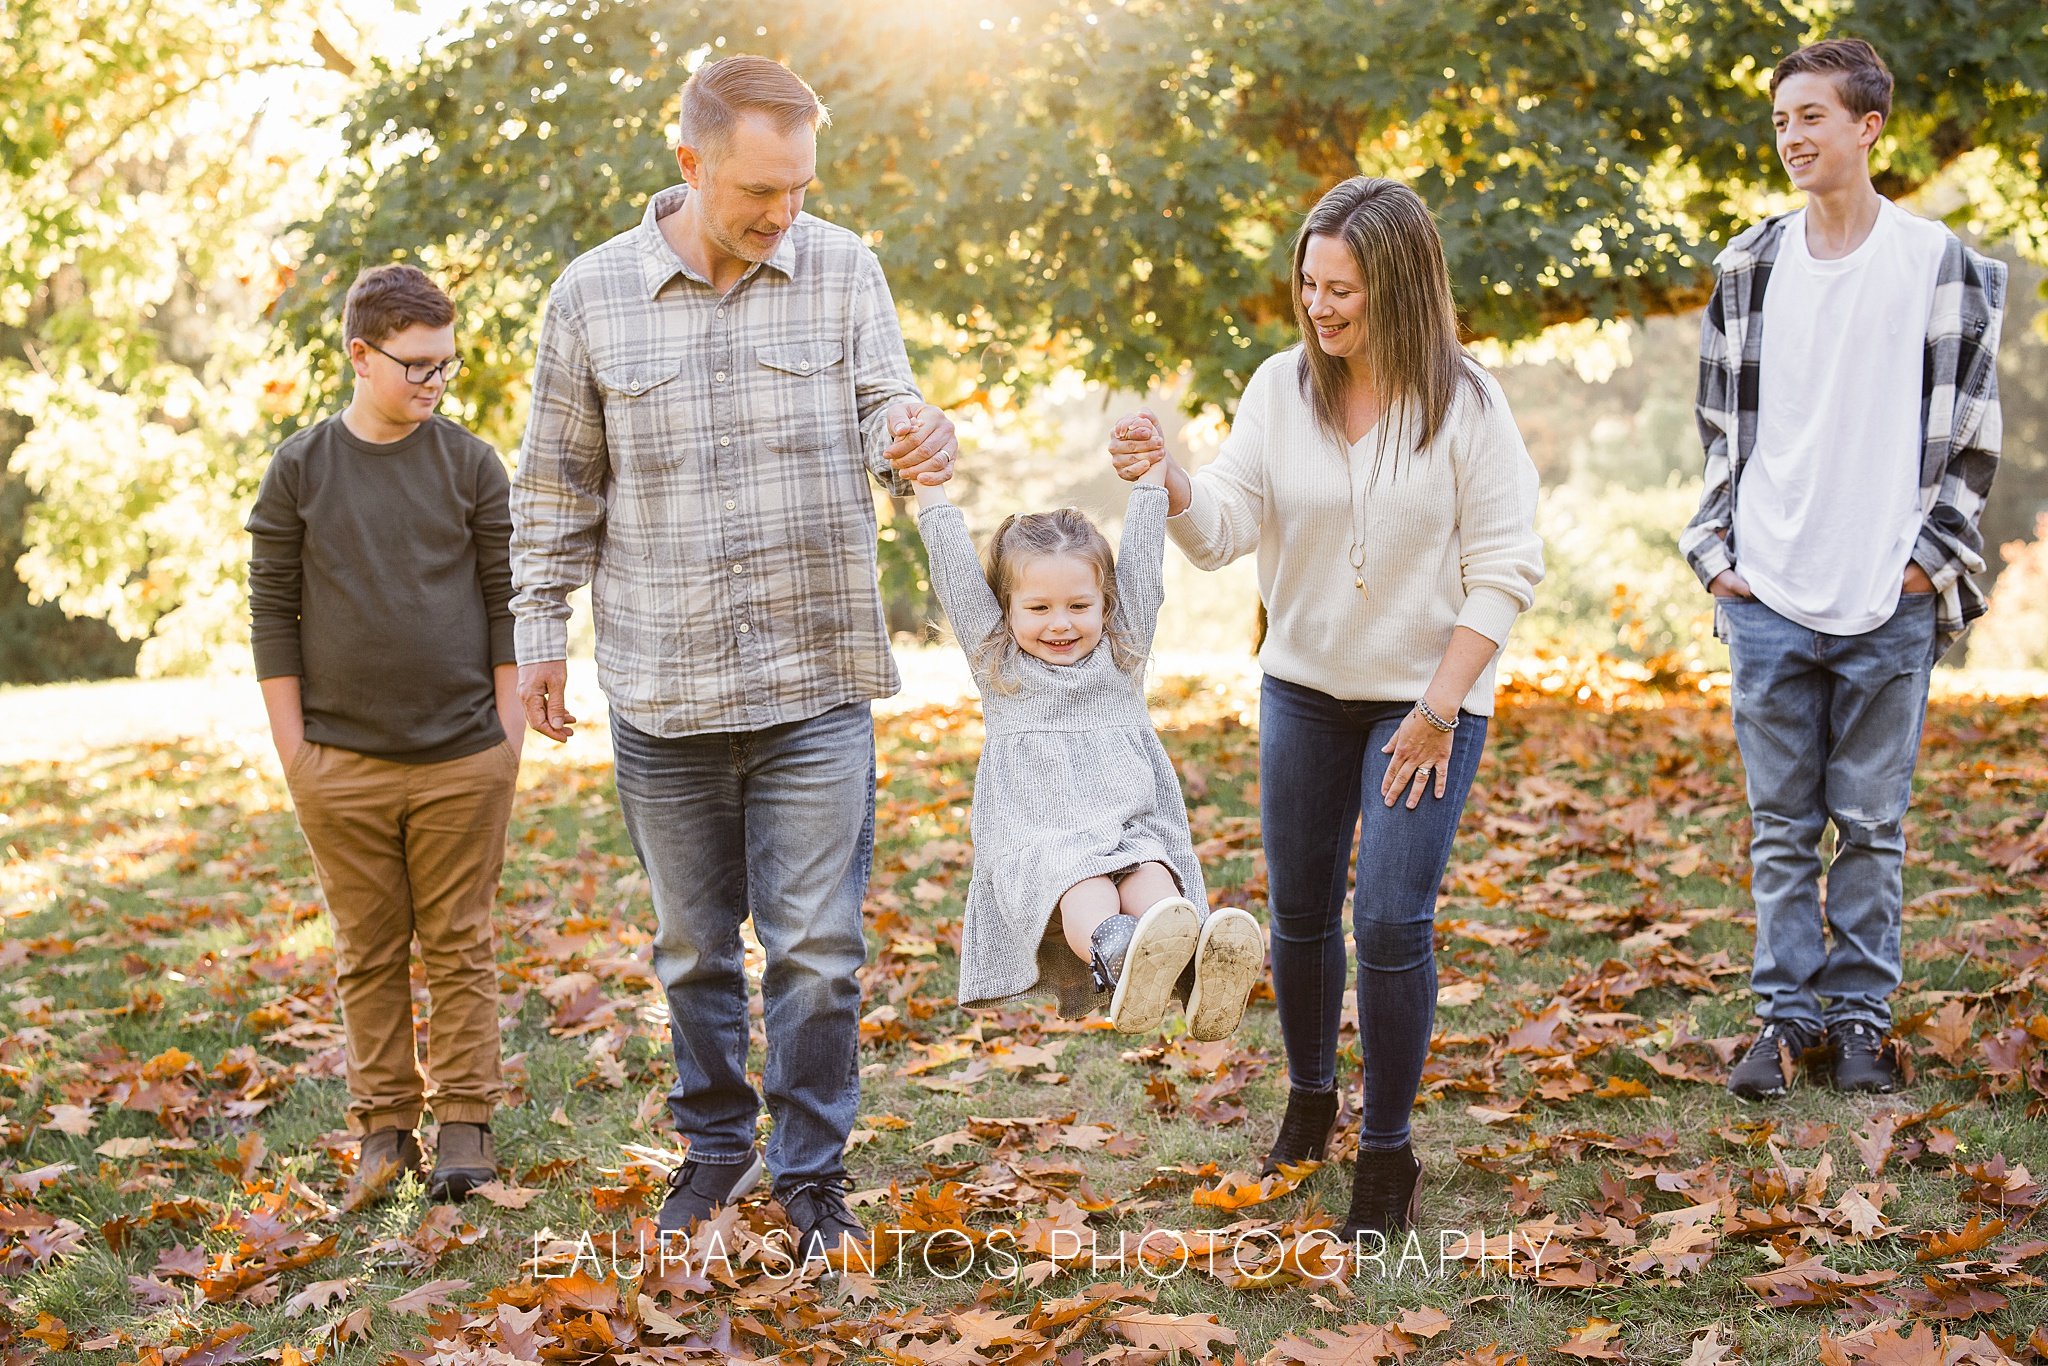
(384, 1157)
(464, 1159)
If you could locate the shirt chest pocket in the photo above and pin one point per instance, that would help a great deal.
(646, 422)
(800, 396)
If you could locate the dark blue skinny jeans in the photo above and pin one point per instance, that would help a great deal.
(1320, 766)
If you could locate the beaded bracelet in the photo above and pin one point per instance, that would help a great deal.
(1422, 709)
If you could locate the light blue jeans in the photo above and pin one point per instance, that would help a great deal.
(1829, 728)
(778, 824)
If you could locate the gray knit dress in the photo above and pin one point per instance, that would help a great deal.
(1073, 782)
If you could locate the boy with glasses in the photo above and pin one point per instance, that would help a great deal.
(379, 592)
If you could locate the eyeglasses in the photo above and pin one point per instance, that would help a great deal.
(420, 372)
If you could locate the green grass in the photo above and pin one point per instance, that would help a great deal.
(159, 898)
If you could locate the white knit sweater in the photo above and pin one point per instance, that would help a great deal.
(1447, 535)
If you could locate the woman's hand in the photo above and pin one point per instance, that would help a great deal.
(1422, 755)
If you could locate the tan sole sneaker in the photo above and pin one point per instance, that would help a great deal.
(1160, 947)
(1229, 960)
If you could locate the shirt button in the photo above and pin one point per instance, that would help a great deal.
(725, 441)
(736, 569)
(730, 505)
(721, 376)
(721, 313)
(744, 628)
(805, 362)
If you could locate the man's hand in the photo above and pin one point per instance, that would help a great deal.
(1137, 447)
(1729, 584)
(922, 445)
(1916, 579)
(542, 694)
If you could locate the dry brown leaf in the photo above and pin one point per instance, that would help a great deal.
(1709, 1350)
(1424, 1323)
(51, 1331)
(75, 1120)
(1594, 1341)
(425, 1299)
(1957, 1243)
(1950, 1030)
(507, 1197)
(1356, 1344)
(1195, 1334)
(319, 1295)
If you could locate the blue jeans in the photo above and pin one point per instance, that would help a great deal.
(1828, 727)
(779, 824)
(1319, 766)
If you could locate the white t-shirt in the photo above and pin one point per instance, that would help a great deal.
(1829, 505)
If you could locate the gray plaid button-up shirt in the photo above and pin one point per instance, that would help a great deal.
(703, 462)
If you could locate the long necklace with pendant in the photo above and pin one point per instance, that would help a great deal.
(1357, 555)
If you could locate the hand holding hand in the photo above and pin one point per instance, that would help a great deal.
(542, 692)
(922, 443)
(1137, 448)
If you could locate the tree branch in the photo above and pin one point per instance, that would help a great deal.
(120, 134)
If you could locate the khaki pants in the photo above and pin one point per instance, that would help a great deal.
(407, 850)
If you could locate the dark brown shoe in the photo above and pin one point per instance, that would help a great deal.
(1386, 1193)
(384, 1157)
(464, 1159)
(1305, 1130)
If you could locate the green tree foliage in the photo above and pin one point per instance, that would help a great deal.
(1107, 185)
(141, 187)
(1112, 184)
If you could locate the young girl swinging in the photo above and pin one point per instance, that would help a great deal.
(1085, 879)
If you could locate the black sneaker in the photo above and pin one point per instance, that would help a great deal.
(825, 1226)
(1386, 1193)
(1863, 1059)
(1768, 1069)
(1304, 1130)
(697, 1188)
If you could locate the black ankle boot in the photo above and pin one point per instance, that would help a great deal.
(1386, 1192)
(1304, 1130)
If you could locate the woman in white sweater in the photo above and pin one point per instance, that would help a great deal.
(1376, 471)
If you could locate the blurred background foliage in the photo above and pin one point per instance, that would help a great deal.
(1079, 204)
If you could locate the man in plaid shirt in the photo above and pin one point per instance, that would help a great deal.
(1849, 395)
(713, 391)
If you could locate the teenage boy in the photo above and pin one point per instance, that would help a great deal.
(380, 591)
(1848, 401)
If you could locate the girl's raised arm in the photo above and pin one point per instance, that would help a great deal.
(956, 570)
(1140, 560)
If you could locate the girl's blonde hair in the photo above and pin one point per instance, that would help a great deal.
(1034, 535)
